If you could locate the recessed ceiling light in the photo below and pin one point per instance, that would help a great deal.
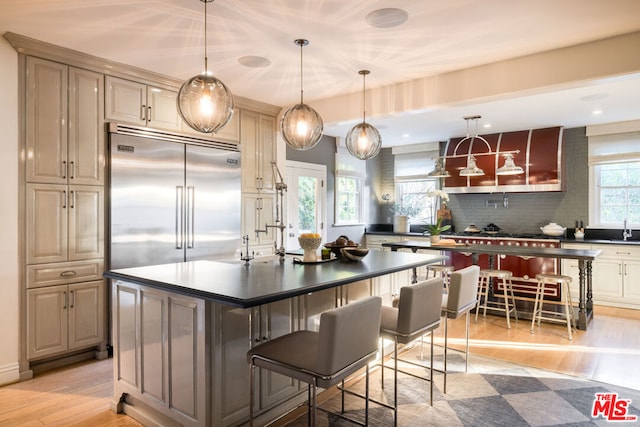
(387, 17)
(254, 61)
(594, 97)
(406, 135)
(486, 125)
(596, 112)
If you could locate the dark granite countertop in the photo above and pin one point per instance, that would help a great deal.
(266, 280)
(523, 251)
(593, 236)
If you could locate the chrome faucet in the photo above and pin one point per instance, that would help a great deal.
(626, 233)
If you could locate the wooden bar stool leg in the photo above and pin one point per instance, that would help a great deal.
(506, 302)
(482, 291)
(567, 298)
(537, 305)
(513, 300)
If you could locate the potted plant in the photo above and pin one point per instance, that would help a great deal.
(434, 230)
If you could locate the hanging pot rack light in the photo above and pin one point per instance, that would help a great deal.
(509, 167)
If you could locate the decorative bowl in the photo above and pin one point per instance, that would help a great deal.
(310, 246)
(354, 254)
(310, 242)
(553, 229)
(336, 248)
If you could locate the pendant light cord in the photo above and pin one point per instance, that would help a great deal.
(364, 93)
(206, 60)
(364, 98)
(301, 91)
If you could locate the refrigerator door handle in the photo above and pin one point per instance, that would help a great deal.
(191, 209)
(179, 217)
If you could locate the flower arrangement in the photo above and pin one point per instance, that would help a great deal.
(407, 210)
(435, 193)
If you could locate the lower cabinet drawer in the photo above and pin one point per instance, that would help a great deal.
(57, 273)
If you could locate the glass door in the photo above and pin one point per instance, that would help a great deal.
(306, 194)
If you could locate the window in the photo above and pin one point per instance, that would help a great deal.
(614, 170)
(411, 166)
(414, 195)
(348, 200)
(349, 189)
(617, 193)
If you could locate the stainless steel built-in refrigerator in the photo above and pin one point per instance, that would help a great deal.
(171, 200)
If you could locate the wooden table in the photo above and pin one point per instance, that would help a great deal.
(584, 257)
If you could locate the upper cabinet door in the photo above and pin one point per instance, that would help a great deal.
(126, 101)
(46, 121)
(141, 105)
(162, 110)
(258, 148)
(86, 158)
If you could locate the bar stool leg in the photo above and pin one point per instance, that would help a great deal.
(506, 302)
(567, 298)
(539, 291)
(482, 291)
(513, 300)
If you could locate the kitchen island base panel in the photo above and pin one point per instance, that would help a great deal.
(180, 331)
(160, 335)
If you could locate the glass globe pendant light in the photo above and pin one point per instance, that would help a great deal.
(301, 126)
(363, 140)
(204, 102)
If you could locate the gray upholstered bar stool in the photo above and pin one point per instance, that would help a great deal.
(461, 299)
(440, 270)
(346, 341)
(418, 313)
(565, 295)
(486, 277)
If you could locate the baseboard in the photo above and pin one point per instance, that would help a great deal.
(9, 373)
(39, 367)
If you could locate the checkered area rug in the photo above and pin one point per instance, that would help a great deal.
(491, 393)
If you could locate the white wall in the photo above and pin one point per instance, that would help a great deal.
(9, 284)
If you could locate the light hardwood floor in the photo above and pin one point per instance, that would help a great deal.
(609, 351)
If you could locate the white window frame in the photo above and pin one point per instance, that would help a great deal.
(611, 143)
(359, 199)
(428, 207)
(595, 197)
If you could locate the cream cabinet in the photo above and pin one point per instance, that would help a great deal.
(615, 274)
(258, 210)
(140, 104)
(64, 318)
(160, 351)
(229, 133)
(161, 340)
(258, 145)
(64, 222)
(375, 242)
(240, 330)
(64, 124)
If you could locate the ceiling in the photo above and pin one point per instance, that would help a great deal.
(167, 36)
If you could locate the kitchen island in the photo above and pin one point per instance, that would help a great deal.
(584, 257)
(181, 331)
